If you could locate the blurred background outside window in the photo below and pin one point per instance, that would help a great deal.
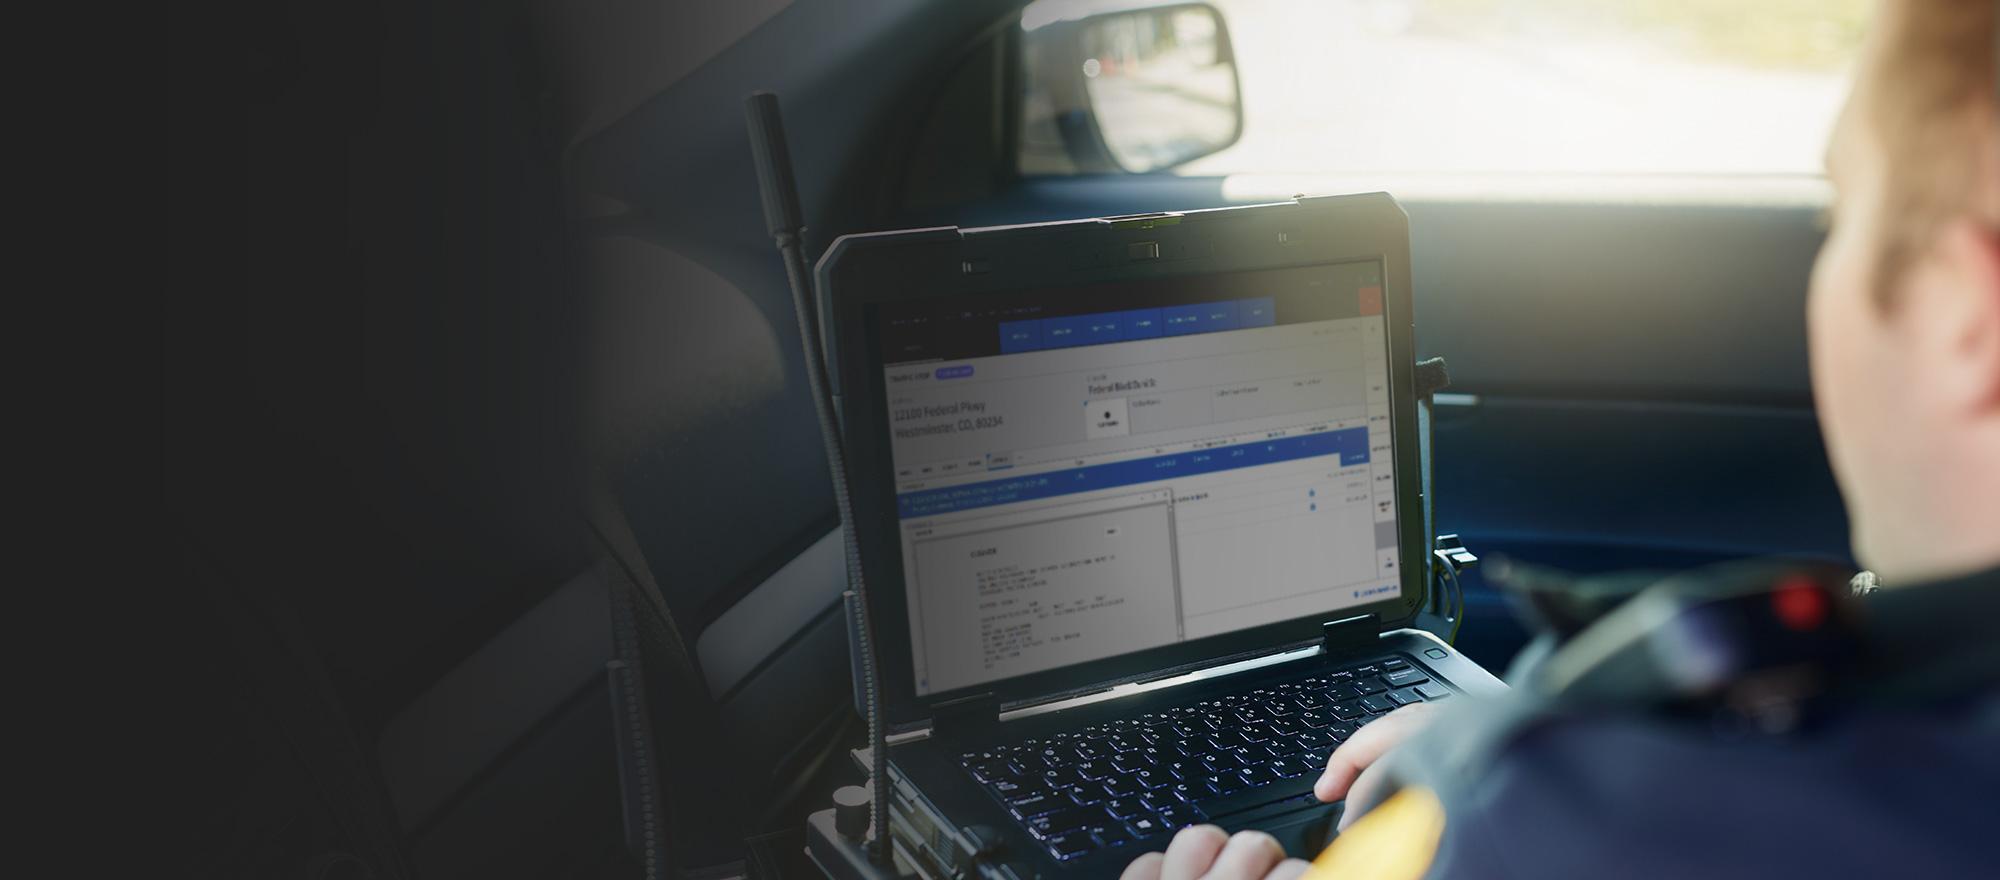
(1377, 90)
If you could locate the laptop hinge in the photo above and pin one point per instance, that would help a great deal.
(1350, 633)
(964, 714)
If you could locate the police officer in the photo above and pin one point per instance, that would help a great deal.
(1864, 741)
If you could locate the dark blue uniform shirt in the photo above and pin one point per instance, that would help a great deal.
(1878, 794)
(1901, 781)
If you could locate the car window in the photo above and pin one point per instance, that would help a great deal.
(1515, 87)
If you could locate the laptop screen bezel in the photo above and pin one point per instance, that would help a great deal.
(862, 273)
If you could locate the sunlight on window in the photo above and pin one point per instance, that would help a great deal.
(1527, 87)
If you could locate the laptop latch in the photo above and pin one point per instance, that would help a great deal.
(964, 713)
(1350, 633)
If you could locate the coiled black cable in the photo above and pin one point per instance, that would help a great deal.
(786, 224)
(856, 597)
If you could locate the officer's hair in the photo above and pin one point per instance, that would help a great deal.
(1934, 104)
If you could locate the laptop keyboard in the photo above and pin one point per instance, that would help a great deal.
(1117, 784)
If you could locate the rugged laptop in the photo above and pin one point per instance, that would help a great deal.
(1138, 503)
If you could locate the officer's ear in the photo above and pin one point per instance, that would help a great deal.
(1952, 306)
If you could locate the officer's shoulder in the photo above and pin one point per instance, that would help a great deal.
(1691, 715)
(1582, 794)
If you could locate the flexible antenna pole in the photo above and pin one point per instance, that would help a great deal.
(787, 226)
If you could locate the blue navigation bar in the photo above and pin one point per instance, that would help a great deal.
(1103, 327)
(1351, 444)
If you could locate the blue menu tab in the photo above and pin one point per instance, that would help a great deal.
(1065, 332)
(1104, 327)
(1142, 324)
(1218, 316)
(1260, 312)
(1182, 320)
(1018, 336)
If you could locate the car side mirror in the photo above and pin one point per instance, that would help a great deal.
(1134, 90)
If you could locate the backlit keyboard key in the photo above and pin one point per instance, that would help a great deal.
(1036, 805)
(1125, 808)
(1405, 677)
(1007, 788)
(1070, 846)
(1059, 823)
(1017, 798)
(1225, 783)
(1112, 835)
(1297, 765)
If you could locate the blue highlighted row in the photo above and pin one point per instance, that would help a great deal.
(1351, 444)
(1127, 326)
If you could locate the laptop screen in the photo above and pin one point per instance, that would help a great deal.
(1087, 472)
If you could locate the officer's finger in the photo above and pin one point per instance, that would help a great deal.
(1146, 867)
(1192, 851)
(1367, 746)
(1364, 794)
(1249, 856)
(1289, 869)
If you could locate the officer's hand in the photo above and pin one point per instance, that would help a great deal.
(1352, 771)
(1203, 852)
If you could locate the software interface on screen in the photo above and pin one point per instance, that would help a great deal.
(1091, 472)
